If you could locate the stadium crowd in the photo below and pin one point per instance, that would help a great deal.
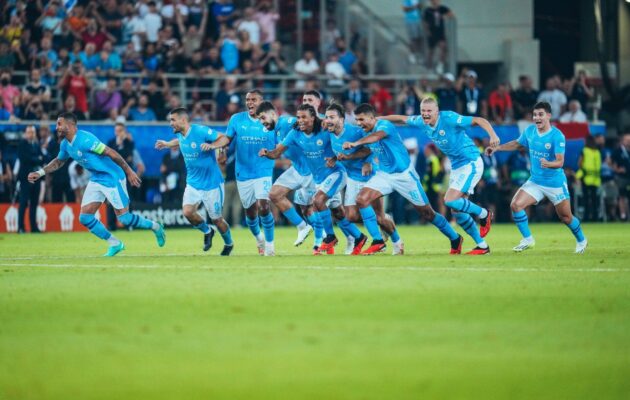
(75, 60)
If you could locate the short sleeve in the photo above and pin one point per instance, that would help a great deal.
(231, 128)
(384, 126)
(92, 144)
(457, 120)
(63, 152)
(559, 143)
(211, 135)
(289, 140)
(522, 139)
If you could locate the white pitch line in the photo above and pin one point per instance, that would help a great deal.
(322, 268)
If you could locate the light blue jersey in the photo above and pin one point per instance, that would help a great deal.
(390, 153)
(316, 148)
(351, 133)
(87, 150)
(202, 170)
(545, 146)
(449, 135)
(298, 160)
(251, 136)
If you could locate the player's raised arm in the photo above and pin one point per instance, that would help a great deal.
(50, 167)
(396, 119)
(273, 154)
(113, 154)
(357, 155)
(509, 146)
(369, 139)
(163, 144)
(218, 143)
(486, 126)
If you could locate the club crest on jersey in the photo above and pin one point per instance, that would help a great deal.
(442, 132)
(547, 146)
(320, 142)
(79, 153)
(193, 145)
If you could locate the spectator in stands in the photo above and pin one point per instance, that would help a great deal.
(150, 59)
(142, 112)
(77, 20)
(446, 93)
(381, 99)
(250, 25)
(350, 106)
(31, 159)
(433, 17)
(75, 83)
(578, 89)
(347, 58)
(157, 92)
(335, 71)
(152, 22)
(267, 19)
(306, 67)
(355, 93)
(35, 90)
(472, 97)
(225, 96)
(413, 22)
(107, 101)
(500, 102)
(70, 105)
(245, 48)
(211, 63)
(329, 36)
(110, 19)
(524, 98)
(7, 57)
(6, 180)
(621, 164)
(554, 96)
(229, 51)
(89, 58)
(574, 113)
(134, 28)
(34, 110)
(13, 30)
(49, 19)
(95, 35)
(132, 60)
(590, 170)
(9, 93)
(408, 100)
(192, 37)
(516, 169)
(272, 62)
(198, 114)
(109, 61)
(223, 14)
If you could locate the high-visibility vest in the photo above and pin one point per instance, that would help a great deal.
(592, 166)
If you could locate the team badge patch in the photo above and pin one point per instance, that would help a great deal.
(193, 145)
(547, 146)
(442, 132)
(320, 142)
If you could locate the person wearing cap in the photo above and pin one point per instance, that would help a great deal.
(446, 93)
(472, 98)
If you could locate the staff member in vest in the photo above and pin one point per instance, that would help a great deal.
(31, 159)
(590, 170)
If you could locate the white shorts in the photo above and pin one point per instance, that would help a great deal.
(253, 189)
(466, 177)
(304, 196)
(353, 188)
(555, 195)
(406, 183)
(303, 185)
(212, 199)
(97, 193)
(332, 186)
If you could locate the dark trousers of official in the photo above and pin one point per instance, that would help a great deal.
(29, 196)
(591, 203)
(62, 193)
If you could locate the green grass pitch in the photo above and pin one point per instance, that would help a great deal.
(175, 323)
